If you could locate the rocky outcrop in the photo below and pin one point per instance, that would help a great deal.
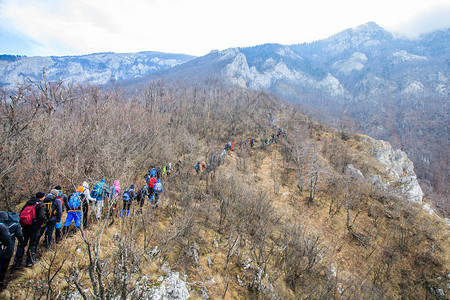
(353, 172)
(398, 174)
(171, 287)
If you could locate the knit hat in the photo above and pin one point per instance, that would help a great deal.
(85, 185)
(80, 189)
(54, 192)
(58, 187)
(40, 195)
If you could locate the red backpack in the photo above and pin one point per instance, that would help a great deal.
(151, 182)
(28, 214)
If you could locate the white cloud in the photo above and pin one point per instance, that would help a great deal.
(435, 18)
(191, 26)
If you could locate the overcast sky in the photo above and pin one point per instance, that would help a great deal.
(72, 27)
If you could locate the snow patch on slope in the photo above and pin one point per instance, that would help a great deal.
(355, 62)
(403, 55)
(332, 85)
(414, 88)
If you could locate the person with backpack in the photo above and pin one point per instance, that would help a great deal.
(177, 167)
(140, 197)
(88, 201)
(63, 199)
(157, 190)
(158, 173)
(147, 177)
(128, 197)
(151, 183)
(152, 172)
(31, 217)
(197, 167)
(5, 240)
(115, 192)
(54, 214)
(11, 221)
(74, 209)
(99, 192)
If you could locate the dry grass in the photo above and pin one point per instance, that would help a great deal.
(357, 265)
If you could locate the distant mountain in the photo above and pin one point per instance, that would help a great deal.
(395, 89)
(366, 61)
(100, 68)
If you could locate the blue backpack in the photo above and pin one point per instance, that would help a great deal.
(126, 196)
(74, 201)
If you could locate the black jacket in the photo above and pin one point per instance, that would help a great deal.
(142, 193)
(41, 211)
(11, 221)
(5, 238)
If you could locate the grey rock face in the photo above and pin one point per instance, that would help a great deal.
(398, 170)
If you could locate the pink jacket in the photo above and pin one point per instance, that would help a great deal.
(116, 190)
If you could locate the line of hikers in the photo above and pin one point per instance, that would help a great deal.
(216, 160)
(42, 215)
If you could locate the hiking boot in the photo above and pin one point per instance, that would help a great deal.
(29, 264)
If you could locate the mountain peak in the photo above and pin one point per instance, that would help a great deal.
(369, 26)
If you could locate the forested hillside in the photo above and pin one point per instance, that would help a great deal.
(314, 212)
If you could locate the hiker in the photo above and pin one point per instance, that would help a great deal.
(197, 167)
(128, 197)
(88, 201)
(5, 241)
(99, 192)
(151, 185)
(164, 170)
(63, 199)
(158, 173)
(169, 169)
(252, 143)
(157, 190)
(114, 197)
(177, 167)
(73, 207)
(32, 216)
(54, 214)
(140, 197)
(11, 221)
(231, 146)
(150, 173)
